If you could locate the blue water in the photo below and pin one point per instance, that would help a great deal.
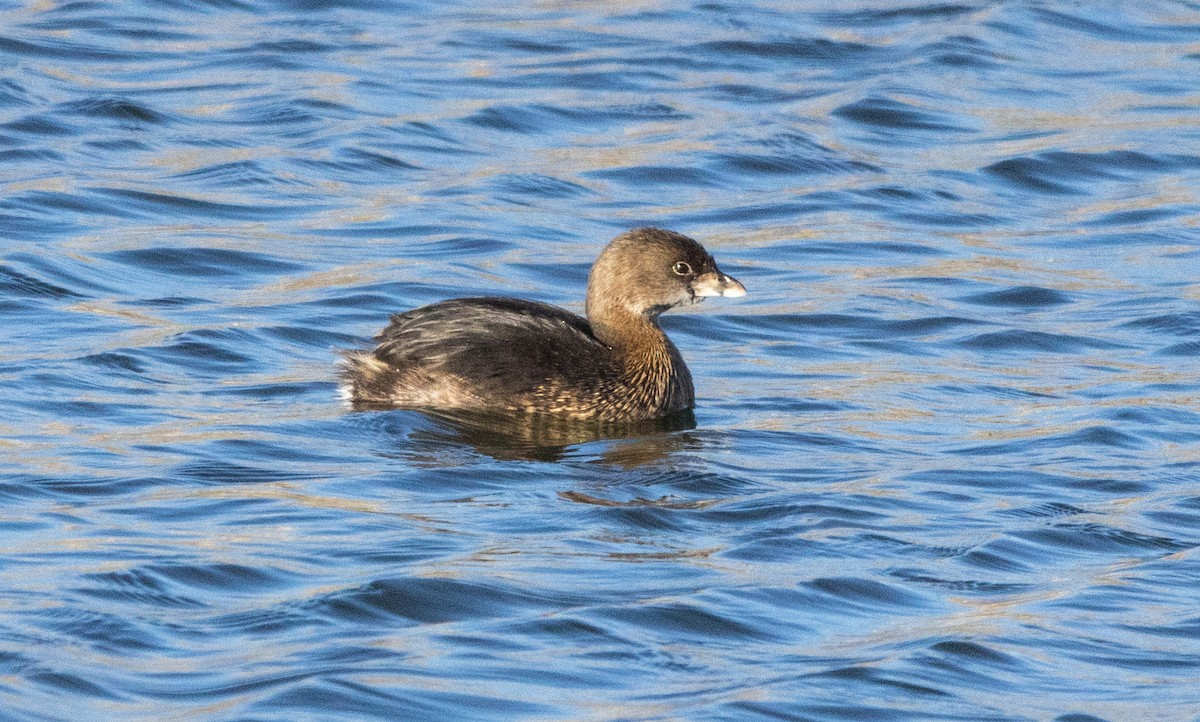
(946, 459)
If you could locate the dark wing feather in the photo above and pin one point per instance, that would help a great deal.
(503, 345)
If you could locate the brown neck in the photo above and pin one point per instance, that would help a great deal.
(622, 329)
(648, 359)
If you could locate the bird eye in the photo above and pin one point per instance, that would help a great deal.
(682, 268)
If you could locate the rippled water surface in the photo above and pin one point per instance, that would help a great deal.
(946, 453)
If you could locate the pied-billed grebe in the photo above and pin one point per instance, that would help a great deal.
(508, 355)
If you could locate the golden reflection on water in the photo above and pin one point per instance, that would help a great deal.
(540, 438)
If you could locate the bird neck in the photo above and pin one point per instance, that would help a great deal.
(648, 360)
(625, 331)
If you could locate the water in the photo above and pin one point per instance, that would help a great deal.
(946, 456)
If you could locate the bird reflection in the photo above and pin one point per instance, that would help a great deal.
(540, 437)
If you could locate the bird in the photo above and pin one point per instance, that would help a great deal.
(514, 356)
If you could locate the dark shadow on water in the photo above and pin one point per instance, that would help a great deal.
(524, 437)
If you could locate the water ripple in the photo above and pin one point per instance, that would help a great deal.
(888, 113)
(945, 448)
(1063, 172)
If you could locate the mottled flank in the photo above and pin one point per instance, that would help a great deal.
(463, 352)
(509, 355)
